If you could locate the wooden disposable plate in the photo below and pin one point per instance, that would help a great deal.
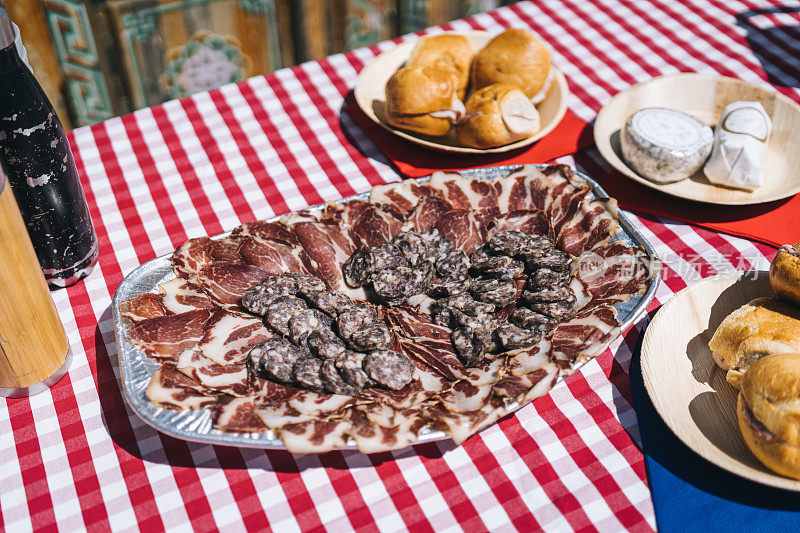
(705, 96)
(687, 388)
(370, 96)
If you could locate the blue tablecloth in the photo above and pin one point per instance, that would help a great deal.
(691, 494)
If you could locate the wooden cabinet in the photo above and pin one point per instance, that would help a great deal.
(114, 56)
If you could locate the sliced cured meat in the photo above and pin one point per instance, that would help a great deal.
(191, 257)
(377, 224)
(466, 397)
(225, 249)
(315, 437)
(306, 372)
(325, 344)
(328, 246)
(371, 438)
(179, 295)
(165, 337)
(586, 334)
(258, 298)
(613, 272)
(320, 403)
(228, 338)
(170, 389)
(530, 385)
(419, 337)
(529, 360)
(274, 257)
(461, 426)
(426, 213)
(237, 415)
(271, 231)
(523, 189)
(462, 228)
(593, 223)
(402, 195)
(225, 283)
(389, 369)
(230, 379)
(525, 220)
(464, 193)
(351, 367)
(142, 307)
(275, 359)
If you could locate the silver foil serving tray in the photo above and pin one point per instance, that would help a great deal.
(195, 425)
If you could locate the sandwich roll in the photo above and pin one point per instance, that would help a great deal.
(784, 273)
(421, 101)
(515, 57)
(445, 53)
(761, 327)
(768, 411)
(496, 115)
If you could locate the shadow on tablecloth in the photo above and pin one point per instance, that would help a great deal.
(775, 45)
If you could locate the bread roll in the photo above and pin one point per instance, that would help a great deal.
(422, 101)
(784, 273)
(496, 115)
(761, 327)
(768, 410)
(447, 52)
(515, 57)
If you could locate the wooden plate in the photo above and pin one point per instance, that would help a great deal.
(705, 96)
(687, 388)
(370, 96)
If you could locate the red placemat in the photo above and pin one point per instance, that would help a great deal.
(413, 161)
(773, 223)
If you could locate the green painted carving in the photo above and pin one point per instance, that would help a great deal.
(414, 13)
(256, 7)
(75, 47)
(140, 25)
(364, 28)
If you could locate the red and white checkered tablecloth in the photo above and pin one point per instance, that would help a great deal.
(76, 457)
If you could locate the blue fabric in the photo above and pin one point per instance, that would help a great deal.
(691, 494)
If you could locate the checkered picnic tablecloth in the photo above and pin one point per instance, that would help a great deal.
(76, 457)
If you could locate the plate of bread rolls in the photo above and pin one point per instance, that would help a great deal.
(467, 92)
(721, 363)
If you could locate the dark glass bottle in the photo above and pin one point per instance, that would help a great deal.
(36, 157)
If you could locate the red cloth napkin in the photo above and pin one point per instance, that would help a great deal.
(412, 160)
(773, 223)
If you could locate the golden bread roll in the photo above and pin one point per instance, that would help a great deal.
(496, 115)
(761, 327)
(515, 57)
(447, 52)
(421, 101)
(768, 410)
(784, 273)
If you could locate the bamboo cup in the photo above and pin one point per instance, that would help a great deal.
(34, 352)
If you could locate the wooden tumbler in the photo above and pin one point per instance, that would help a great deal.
(34, 352)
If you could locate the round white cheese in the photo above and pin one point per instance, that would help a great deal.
(664, 145)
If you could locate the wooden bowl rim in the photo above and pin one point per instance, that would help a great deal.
(603, 143)
(405, 48)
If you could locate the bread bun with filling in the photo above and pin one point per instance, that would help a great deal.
(784, 273)
(515, 57)
(443, 53)
(761, 327)
(422, 101)
(496, 115)
(768, 410)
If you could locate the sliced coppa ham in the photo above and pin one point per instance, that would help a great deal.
(173, 390)
(142, 307)
(165, 337)
(224, 283)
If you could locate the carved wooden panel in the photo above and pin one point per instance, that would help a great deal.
(172, 48)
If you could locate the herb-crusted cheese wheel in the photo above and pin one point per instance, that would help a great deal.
(664, 145)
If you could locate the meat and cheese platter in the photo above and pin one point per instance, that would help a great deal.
(420, 310)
